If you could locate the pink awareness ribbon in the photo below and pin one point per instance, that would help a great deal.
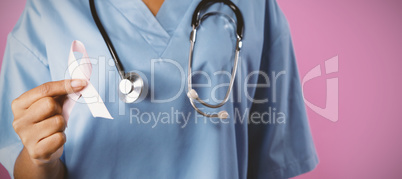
(89, 93)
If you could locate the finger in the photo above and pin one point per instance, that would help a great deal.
(42, 109)
(48, 127)
(50, 89)
(61, 99)
(44, 149)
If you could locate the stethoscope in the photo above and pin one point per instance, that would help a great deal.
(131, 86)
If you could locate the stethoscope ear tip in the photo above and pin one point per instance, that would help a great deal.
(192, 94)
(223, 115)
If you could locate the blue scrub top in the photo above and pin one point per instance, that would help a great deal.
(162, 136)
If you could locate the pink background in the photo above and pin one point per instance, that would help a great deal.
(366, 35)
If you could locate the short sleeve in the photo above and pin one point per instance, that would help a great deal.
(282, 146)
(20, 72)
(23, 68)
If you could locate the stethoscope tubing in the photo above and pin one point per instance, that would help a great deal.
(107, 40)
(196, 21)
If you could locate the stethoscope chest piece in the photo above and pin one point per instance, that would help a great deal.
(131, 88)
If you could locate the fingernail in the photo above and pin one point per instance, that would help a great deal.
(78, 83)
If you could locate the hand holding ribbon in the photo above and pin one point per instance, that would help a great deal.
(89, 93)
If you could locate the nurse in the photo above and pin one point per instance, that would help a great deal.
(266, 135)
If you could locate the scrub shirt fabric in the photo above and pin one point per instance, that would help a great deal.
(162, 136)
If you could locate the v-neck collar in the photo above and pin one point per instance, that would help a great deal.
(172, 13)
(156, 30)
